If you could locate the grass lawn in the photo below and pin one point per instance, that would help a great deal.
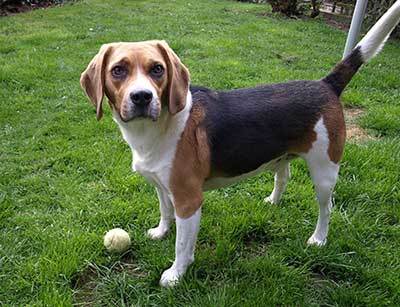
(65, 178)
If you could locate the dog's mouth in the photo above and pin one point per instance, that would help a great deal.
(134, 112)
(137, 116)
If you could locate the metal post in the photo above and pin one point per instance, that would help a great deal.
(355, 27)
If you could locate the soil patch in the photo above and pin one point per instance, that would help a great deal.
(354, 132)
(337, 21)
(85, 282)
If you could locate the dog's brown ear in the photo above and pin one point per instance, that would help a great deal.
(93, 79)
(178, 79)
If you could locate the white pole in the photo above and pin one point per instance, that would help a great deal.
(355, 27)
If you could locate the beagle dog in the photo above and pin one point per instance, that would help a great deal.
(187, 139)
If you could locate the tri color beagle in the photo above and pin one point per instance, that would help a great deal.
(188, 139)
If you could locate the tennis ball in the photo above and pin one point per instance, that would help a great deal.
(117, 240)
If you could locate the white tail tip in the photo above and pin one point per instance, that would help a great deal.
(373, 41)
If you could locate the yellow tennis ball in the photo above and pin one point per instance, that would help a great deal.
(117, 240)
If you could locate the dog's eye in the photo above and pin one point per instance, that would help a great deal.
(119, 72)
(157, 70)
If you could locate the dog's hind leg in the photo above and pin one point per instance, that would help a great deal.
(324, 174)
(281, 178)
(324, 177)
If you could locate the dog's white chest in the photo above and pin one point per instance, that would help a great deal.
(156, 170)
(154, 144)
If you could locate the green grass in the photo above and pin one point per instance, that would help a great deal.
(65, 178)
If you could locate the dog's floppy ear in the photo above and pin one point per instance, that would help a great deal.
(93, 79)
(178, 79)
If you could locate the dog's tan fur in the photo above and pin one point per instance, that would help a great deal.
(191, 166)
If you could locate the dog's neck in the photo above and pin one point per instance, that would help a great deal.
(150, 140)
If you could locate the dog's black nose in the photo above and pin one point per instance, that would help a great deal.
(141, 98)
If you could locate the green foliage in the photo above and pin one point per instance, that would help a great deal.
(65, 178)
(31, 2)
(295, 7)
(287, 7)
(291, 7)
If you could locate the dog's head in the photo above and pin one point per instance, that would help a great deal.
(139, 79)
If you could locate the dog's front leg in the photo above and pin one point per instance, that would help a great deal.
(186, 236)
(166, 215)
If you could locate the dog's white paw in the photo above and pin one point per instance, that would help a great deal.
(157, 233)
(270, 199)
(314, 240)
(170, 277)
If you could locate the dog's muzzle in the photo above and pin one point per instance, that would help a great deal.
(142, 104)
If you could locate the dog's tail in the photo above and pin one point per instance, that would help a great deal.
(365, 50)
